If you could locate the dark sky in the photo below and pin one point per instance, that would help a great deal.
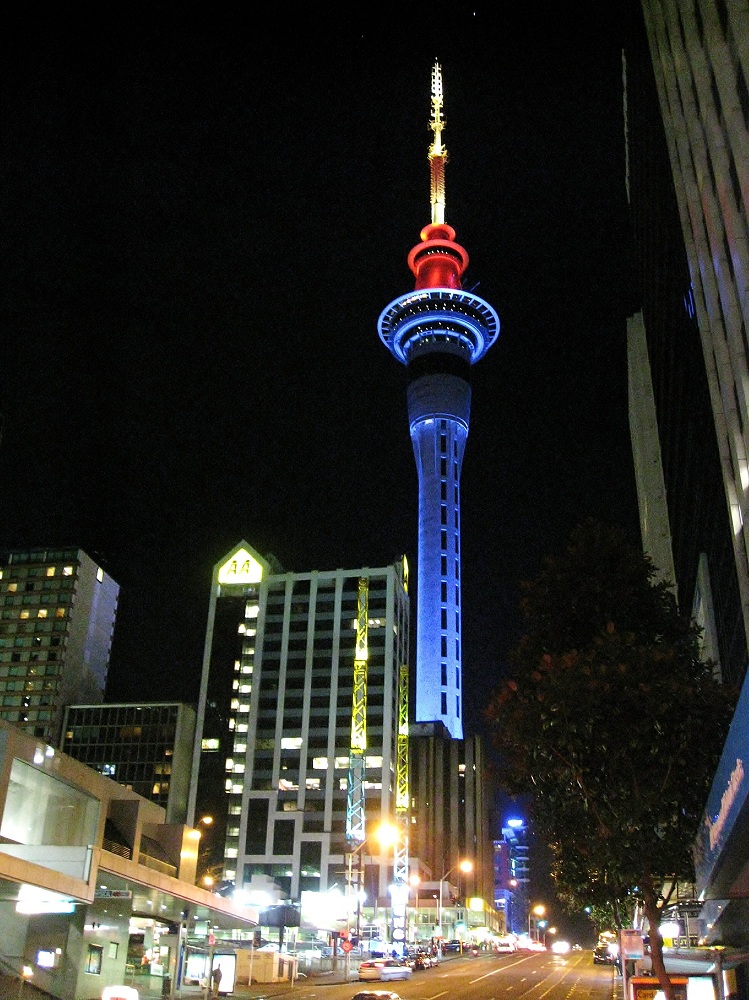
(202, 219)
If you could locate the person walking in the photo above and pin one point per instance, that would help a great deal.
(215, 980)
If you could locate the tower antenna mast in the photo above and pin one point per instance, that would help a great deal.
(437, 152)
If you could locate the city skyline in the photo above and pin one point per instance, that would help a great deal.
(203, 236)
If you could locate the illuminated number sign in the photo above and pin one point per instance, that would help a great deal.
(241, 568)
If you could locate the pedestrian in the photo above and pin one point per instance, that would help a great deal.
(215, 980)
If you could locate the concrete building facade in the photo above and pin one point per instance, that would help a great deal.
(274, 728)
(58, 615)
(145, 747)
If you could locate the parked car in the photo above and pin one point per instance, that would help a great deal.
(454, 945)
(384, 969)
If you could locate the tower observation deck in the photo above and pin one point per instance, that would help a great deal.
(438, 331)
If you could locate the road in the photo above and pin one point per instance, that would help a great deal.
(523, 976)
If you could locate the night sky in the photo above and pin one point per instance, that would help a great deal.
(202, 219)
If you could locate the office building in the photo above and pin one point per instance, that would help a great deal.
(274, 737)
(511, 874)
(145, 747)
(687, 105)
(58, 618)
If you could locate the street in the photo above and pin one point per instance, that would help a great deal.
(488, 977)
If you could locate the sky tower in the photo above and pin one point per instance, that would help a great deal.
(438, 331)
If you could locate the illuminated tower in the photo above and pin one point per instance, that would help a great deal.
(438, 331)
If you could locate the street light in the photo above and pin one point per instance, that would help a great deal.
(464, 866)
(414, 881)
(386, 833)
(537, 911)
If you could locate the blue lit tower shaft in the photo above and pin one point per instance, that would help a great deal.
(438, 331)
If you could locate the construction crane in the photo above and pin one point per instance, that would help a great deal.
(400, 887)
(355, 813)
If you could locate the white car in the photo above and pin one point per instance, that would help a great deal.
(384, 969)
(505, 946)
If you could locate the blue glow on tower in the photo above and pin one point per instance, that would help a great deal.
(438, 331)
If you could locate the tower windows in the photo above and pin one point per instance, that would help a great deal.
(443, 705)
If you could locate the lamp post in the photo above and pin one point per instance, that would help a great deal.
(537, 911)
(464, 866)
(414, 882)
(386, 833)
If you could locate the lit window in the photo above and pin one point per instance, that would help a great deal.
(373, 762)
(312, 784)
(50, 571)
(341, 763)
(59, 613)
(67, 571)
(156, 790)
(212, 744)
(99, 574)
(41, 613)
(12, 588)
(290, 742)
(24, 615)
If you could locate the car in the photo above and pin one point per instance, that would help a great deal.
(603, 955)
(384, 969)
(420, 960)
(376, 995)
(505, 946)
(453, 945)
(534, 946)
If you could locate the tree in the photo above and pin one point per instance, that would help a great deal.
(613, 723)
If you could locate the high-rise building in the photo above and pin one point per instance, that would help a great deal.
(511, 874)
(687, 107)
(58, 618)
(438, 331)
(275, 715)
(145, 747)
